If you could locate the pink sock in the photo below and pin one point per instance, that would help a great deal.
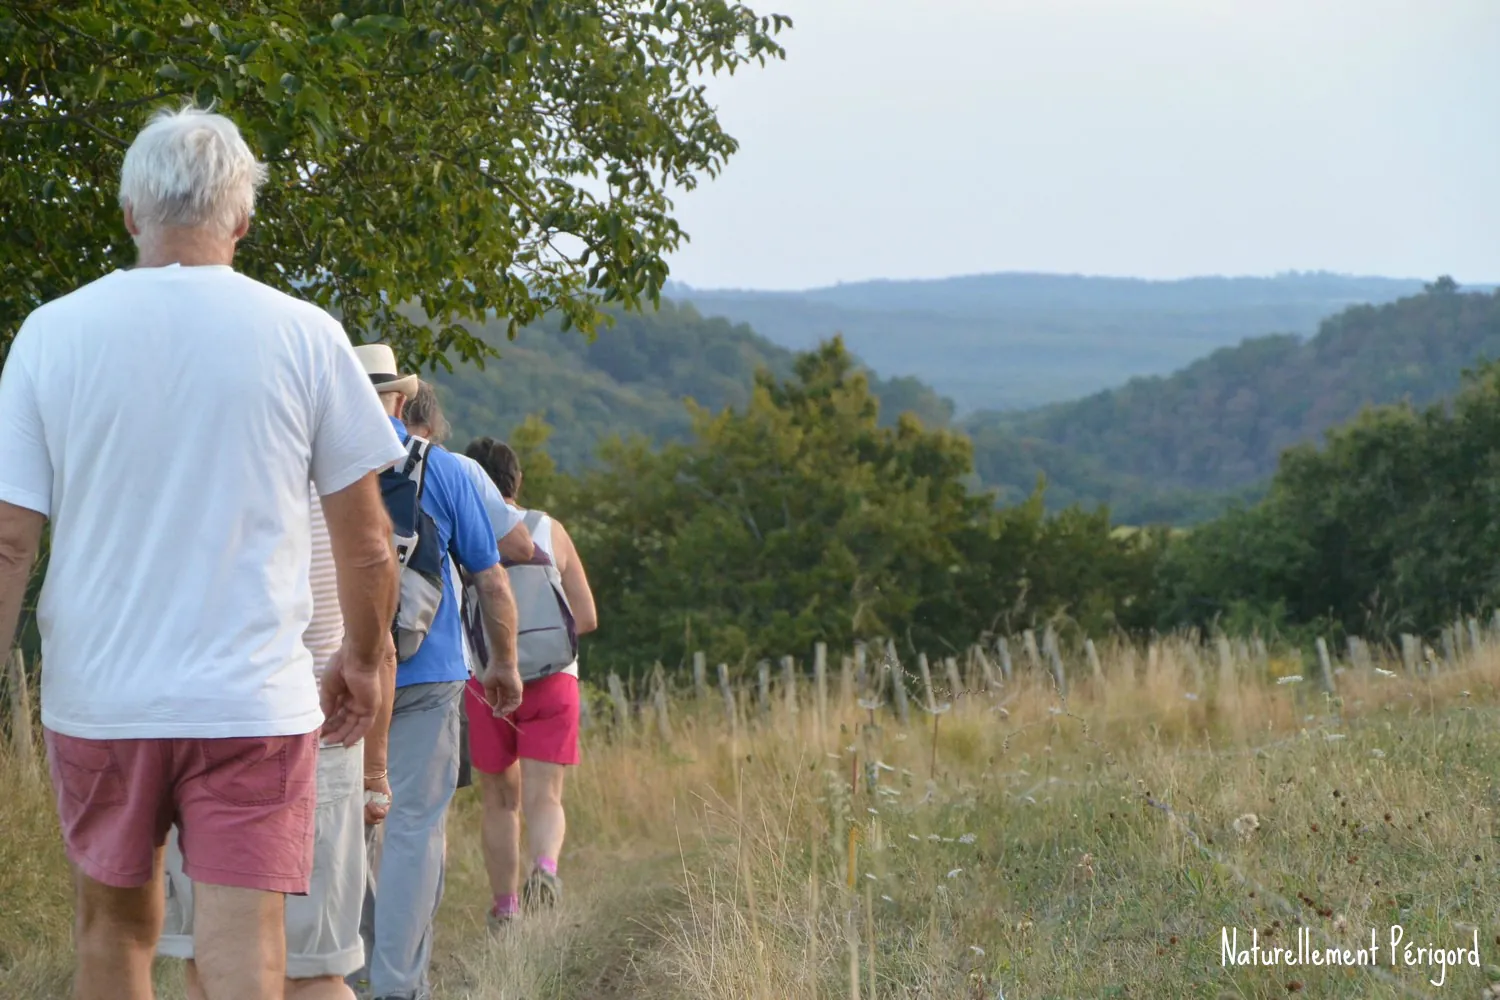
(548, 865)
(508, 905)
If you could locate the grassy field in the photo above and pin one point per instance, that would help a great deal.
(1016, 845)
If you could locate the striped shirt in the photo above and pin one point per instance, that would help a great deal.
(325, 631)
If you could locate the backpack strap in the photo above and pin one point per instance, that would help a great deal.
(415, 468)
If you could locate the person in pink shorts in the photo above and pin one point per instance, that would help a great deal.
(520, 760)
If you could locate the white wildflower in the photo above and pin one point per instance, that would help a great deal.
(1289, 679)
(977, 950)
(1377, 753)
(871, 876)
(967, 838)
(887, 899)
(1246, 825)
(1384, 672)
(955, 873)
(913, 836)
(934, 838)
(1331, 737)
(883, 766)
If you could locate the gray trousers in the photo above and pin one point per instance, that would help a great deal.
(407, 851)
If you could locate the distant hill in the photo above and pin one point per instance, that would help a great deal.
(632, 379)
(1014, 341)
(1174, 448)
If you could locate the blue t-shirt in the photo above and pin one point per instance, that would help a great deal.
(464, 529)
(503, 517)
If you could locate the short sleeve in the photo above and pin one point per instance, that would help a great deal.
(503, 517)
(473, 537)
(353, 436)
(25, 463)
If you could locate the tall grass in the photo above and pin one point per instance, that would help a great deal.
(1018, 844)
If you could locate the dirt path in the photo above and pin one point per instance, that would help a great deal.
(598, 945)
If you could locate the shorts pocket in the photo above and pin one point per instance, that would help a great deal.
(88, 771)
(248, 771)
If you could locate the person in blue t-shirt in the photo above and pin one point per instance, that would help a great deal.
(407, 853)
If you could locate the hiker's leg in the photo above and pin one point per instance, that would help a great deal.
(194, 982)
(320, 988)
(546, 823)
(239, 942)
(245, 828)
(547, 743)
(115, 933)
(500, 795)
(423, 761)
(114, 807)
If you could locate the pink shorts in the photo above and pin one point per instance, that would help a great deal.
(545, 726)
(244, 807)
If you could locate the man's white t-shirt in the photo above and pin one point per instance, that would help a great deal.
(167, 421)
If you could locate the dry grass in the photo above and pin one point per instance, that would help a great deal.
(1017, 845)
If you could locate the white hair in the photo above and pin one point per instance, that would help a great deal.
(190, 168)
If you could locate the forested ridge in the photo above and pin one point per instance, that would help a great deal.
(630, 380)
(1015, 341)
(1176, 448)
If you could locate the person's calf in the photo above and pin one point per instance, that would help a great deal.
(319, 988)
(116, 931)
(239, 942)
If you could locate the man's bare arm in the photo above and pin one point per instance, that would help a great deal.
(360, 532)
(20, 537)
(517, 546)
(497, 605)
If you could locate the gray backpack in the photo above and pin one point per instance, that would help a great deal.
(547, 638)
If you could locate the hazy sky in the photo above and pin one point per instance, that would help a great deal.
(1155, 138)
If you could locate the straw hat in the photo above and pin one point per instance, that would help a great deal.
(380, 364)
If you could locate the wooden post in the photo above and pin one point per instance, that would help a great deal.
(728, 693)
(622, 706)
(763, 679)
(846, 683)
(986, 671)
(898, 683)
(1054, 658)
(700, 675)
(820, 685)
(861, 666)
(659, 698)
(1007, 669)
(1028, 646)
(926, 674)
(789, 684)
(1226, 662)
(1092, 652)
(22, 742)
(1475, 642)
(1450, 658)
(955, 684)
(1195, 663)
(1325, 666)
(1411, 653)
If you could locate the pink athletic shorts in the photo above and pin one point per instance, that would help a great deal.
(545, 726)
(244, 807)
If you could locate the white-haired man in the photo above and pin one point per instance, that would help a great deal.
(167, 420)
